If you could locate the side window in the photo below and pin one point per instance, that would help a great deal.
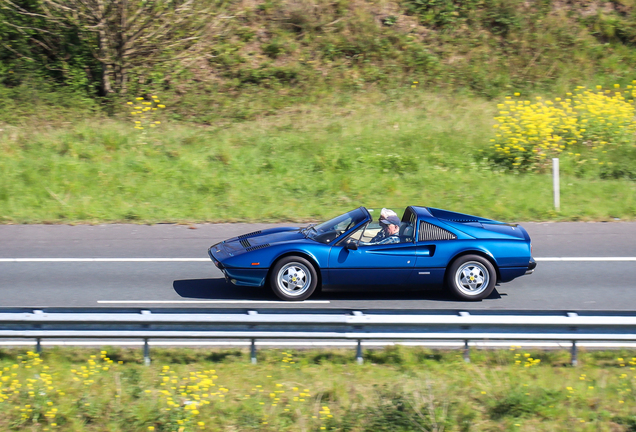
(376, 234)
(357, 234)
(371, 230)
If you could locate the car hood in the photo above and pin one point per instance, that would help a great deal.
(260, 240)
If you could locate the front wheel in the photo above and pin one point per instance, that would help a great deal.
(293, 278)
(471, 277)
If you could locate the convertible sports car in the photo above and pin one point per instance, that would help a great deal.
(466, 254)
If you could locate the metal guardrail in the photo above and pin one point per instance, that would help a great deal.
(326, 324)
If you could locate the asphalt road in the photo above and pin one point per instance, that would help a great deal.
(555, 285)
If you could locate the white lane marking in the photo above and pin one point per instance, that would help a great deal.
(105, 259)
(209, 302)
(562, 259)
(63, 260)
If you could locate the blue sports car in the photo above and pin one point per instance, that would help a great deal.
(428, 247)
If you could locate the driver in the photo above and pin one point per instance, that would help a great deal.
(385, 214)
(390, 224)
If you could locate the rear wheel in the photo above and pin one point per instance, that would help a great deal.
(471, 277)
(293, 278)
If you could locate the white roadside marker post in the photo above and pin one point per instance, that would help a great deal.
(555, 184)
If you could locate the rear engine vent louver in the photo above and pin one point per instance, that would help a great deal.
(245, 243)
(249, 234)
(430, 232)
(253, 248)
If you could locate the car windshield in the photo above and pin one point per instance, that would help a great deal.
(326, 232)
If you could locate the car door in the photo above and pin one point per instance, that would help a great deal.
(378, 264)
(435, 247)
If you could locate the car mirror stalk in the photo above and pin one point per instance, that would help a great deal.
(351, 245)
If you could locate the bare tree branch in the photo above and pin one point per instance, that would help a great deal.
(21, 10)
(22, 28)
(124, 33)
(16, 52)
(43, 45)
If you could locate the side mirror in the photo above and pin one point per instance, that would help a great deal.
(351, 244)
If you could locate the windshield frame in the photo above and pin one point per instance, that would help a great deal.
(326, 234)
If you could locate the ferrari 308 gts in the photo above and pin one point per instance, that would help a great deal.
(429, 247)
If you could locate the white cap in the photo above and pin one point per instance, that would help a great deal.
(386, 213)
(389, 217)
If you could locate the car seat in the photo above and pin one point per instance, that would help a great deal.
(406, 232)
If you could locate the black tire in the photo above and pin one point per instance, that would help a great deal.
(293, 278)
(471, 278)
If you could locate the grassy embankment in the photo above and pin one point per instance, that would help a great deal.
(305, 109)
(397, 389)
(306, 164)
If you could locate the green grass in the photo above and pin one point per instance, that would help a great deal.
(304, 164)
(396, 389)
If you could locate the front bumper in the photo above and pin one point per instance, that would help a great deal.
(218, 263)
(531, 266)
(246, 277)
(254, 277)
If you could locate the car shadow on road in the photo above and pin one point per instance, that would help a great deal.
(219, 289)
(390, 293)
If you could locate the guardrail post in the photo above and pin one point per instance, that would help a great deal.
(146, 352)
(359, 358)
(38, 346)
(253, 351)
(466, 352)
(575, 359)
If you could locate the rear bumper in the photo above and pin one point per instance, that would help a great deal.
(531, 266)
(506, 274)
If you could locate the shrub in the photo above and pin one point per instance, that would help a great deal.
(529, 134)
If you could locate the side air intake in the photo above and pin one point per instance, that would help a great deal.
(429, 232)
